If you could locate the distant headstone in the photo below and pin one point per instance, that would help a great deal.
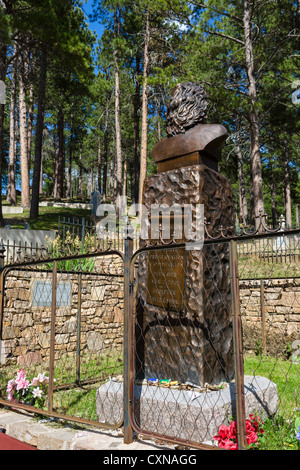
(95, 201)
(2, 92)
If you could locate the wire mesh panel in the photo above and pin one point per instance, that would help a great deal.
(269, 270)
(183, 366)
(62, 323)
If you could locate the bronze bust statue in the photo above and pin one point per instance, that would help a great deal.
(190, 141)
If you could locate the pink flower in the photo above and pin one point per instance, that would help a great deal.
(22, 384)
(10, 397)
(11, 385)
(40, 379)
(35, 382)
(21, 375)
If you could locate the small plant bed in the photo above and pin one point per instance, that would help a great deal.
(280, 431)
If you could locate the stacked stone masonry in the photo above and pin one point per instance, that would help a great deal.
(278, 302)
(27, 310)
(27, 327)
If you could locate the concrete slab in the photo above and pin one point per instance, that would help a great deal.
(190, 415)
(47, 434)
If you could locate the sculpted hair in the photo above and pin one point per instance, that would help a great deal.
(187, 108)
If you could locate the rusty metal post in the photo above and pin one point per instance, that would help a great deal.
(78, 339)
(128, 430)
(52, 337)
(263, 316)
(2, 257)
(238, 352)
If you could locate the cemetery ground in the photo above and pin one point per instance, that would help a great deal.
(48, 216)
(279, 431)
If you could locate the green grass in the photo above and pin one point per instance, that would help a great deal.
(280, 429)
(47, 219)
(252, 267)
(71, 399)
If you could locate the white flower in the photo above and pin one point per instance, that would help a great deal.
(37, 393)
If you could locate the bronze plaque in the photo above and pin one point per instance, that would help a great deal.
(166, 278)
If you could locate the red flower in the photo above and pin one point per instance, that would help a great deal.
(252, 437)
(232, 430)
(227, 437)
(229, 445)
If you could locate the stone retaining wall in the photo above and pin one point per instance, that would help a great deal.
(27, 325)
(27, 313)
(279, 301)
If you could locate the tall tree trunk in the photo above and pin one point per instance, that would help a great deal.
(257, 203)
(30, 125)
(3, 70)
(136, 133)
(41, 175)
(105, 153)
(61, 153)
(118, 173)
(99, 166)
(242, 190)
(69, 181)
(287, 187)
(144, 140)
(80, 182)
(34, 209)
(54, 164)
(11, 184)
(273, 202)
(25, 188)
(125, 177)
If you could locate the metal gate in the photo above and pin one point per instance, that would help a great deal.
(62, 331)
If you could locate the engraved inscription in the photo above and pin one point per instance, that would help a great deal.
(166, 278)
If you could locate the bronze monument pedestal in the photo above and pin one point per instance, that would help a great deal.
(183, 321)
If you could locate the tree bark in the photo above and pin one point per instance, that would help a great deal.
(61, 153)
(80, 182)
(118, 173)
(287, 187)
(11, 183)
(136, 133)
(144, 131)
(257, 203)
(99, 166)
(69, 181)
(25, 188)
(3, 68)
(242, 190)
(30, 125)
(34, 209)
(54, 166)
(105, 153)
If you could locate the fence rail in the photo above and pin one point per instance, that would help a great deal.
(169, 342)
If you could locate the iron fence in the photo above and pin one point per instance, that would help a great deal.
(62, 325)
(170, 342)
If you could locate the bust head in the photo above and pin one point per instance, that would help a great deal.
(187, 108)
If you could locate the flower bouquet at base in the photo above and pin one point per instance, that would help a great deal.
(21, 390)
(227, 437)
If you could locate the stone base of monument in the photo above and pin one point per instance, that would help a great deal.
(186, 414)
